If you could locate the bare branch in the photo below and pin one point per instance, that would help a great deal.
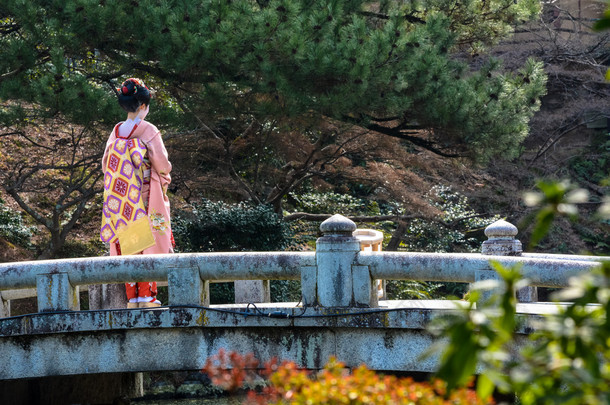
(356, 218)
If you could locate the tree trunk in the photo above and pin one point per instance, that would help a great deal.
(397, 237)
(56, 243)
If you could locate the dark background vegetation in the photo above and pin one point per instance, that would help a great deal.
(254, 173)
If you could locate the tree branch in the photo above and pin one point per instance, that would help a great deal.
(356, 218)
(397, 133)
(408, 17)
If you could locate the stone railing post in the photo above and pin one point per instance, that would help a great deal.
(5, 307)
(371, 241)
(56, 293)
(247, 291)
(501, 242)
(107, 296)
(185, 287)
(339, 282)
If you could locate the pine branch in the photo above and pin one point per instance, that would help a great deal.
(397, 132)
(199, 120)
(409, 17)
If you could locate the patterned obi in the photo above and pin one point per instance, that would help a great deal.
(126, 182)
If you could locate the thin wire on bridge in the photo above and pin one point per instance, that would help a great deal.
(256, 312)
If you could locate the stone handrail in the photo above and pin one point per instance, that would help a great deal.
(338, 274)
(463, 267)
(117, 269)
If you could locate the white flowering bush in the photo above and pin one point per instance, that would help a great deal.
(13, 229)
(453, 231)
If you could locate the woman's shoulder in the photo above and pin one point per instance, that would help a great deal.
(112, 136)
(148, 131)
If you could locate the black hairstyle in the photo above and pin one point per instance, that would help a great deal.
(132, 94)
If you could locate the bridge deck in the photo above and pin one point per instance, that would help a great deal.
(392, 337)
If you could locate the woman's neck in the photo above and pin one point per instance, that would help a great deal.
(132, 115)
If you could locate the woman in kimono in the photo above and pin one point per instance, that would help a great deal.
(134, 98)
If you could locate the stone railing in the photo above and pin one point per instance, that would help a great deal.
(338, 274)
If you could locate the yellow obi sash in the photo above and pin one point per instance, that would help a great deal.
(123, 200)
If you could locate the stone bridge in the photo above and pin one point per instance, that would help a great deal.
(339, 314)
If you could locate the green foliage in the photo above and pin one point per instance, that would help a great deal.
(569, 363)
(333, 203)
(285, 291)
(452, 232)
(479, 336)
(408, 290)
(554, 198)
(13, 229)
(351, 61)
(593, 168)
(222, 227)
(222, 293)
(599, 240)
(566, 360)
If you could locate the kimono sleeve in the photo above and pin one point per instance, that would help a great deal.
(111, 140)
(159, 161)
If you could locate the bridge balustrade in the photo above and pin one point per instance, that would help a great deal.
(338, 274)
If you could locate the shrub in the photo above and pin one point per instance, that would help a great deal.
(409, 289)
(285, 291)
(566, 360)
(221, 227)
(334, 203)
(13, 229)
(453, 232)
(333, 385)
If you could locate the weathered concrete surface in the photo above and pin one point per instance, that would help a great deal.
(55, 292)
(78, 389)
(337, 275)
(5, 306)
(252, 291)
(462, 267)
(107, 296)
(335, 255)
(554, 256)
(91, 342)
(119, 269)
(501, 240)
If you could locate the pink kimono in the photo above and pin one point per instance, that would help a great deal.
(157, 170)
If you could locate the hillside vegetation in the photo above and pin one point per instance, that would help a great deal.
(301, 103)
